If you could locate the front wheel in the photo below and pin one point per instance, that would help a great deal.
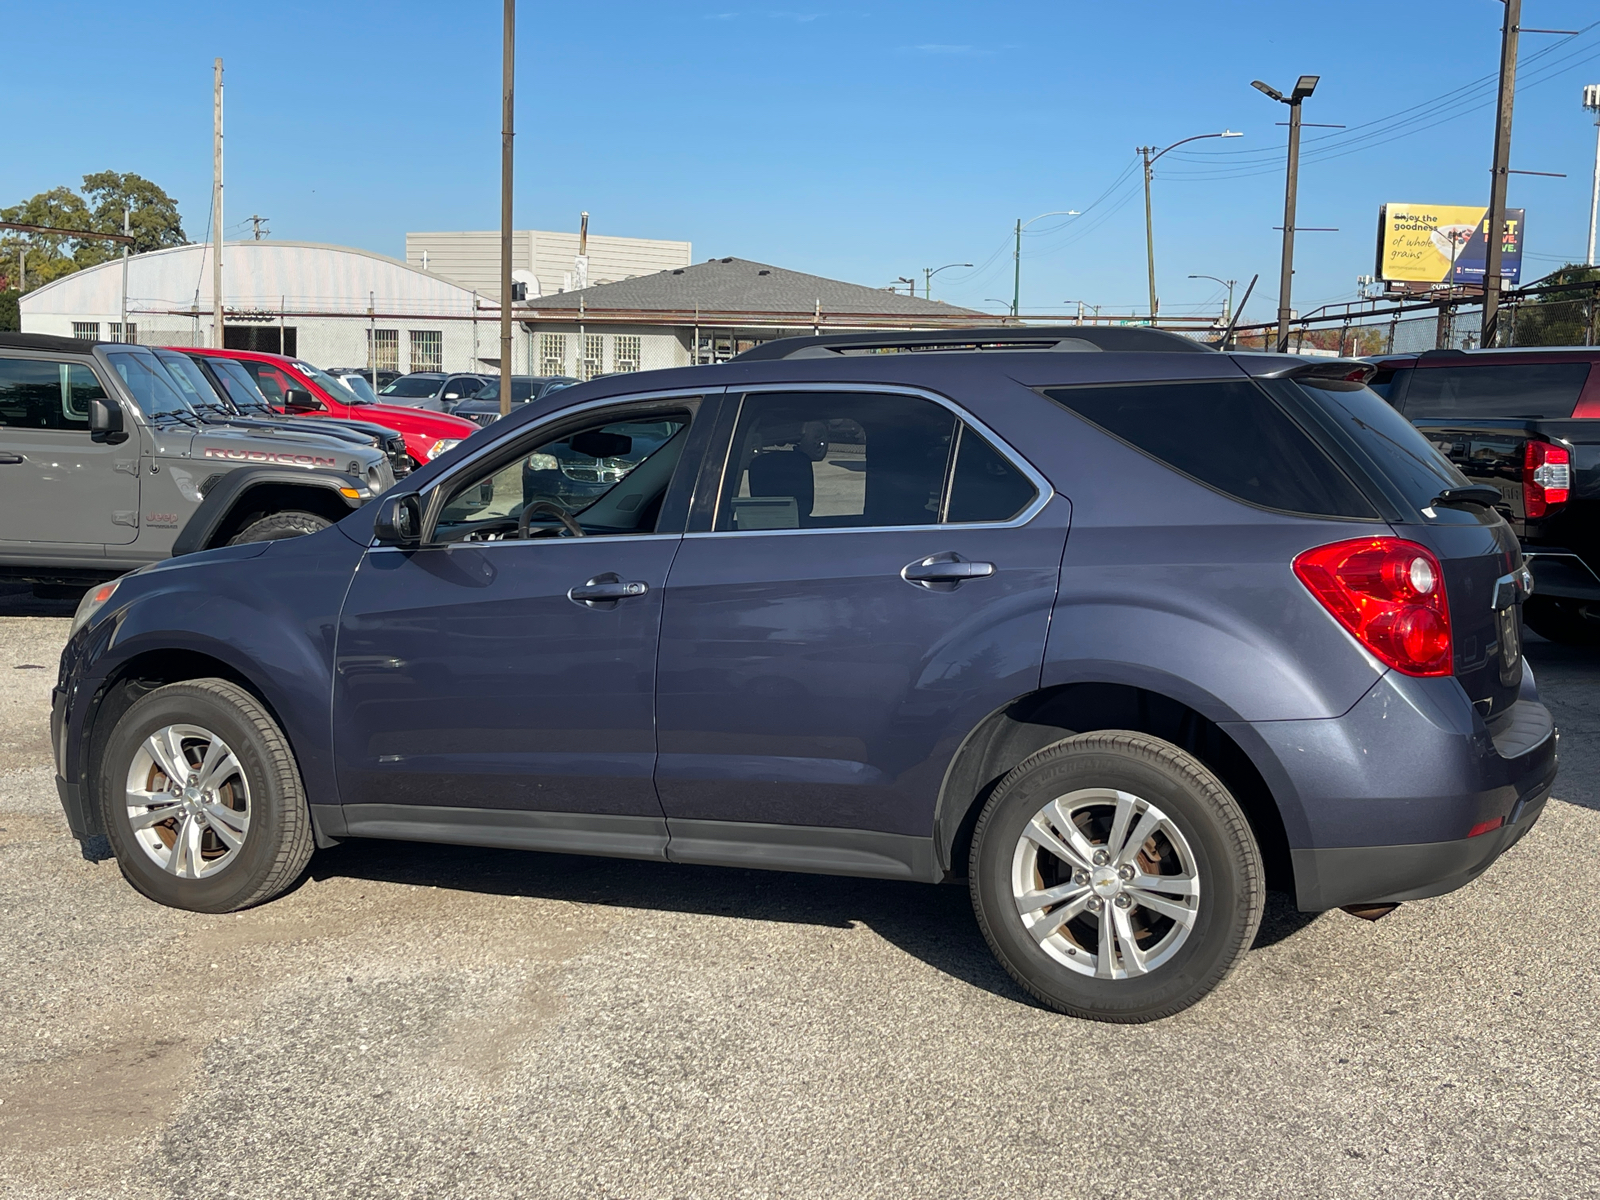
(1115, 877)
(202, 799)
(293, 523)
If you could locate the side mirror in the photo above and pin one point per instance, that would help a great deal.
(105, 422)
(399, 521)
(596, 443)
(302, 401)
(452, 395)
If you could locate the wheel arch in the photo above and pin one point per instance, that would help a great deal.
(243, 495)
(1033, 721)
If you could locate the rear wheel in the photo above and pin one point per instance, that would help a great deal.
(293, 523)
(202, 800)
(1115, 877)
(1557, 619)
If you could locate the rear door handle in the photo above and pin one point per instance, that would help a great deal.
(10, 459)
(604, 591)
(944, 572)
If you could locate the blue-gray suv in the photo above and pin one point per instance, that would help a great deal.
(1116, 628)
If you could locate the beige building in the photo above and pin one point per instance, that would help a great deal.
(547, 262)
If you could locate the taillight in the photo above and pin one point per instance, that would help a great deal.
(1389, 593)
(1546, 478)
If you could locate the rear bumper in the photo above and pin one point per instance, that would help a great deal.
(1378, 804)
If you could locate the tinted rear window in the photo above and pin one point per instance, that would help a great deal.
(1229, 435)
(1543, 390)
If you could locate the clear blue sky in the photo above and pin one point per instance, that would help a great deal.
(859, 141)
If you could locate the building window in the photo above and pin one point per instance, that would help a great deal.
(116, 332)
(594, 356)
(552, 354)
(625, 354)
(383, 349)
(427, 350)
(88, 330)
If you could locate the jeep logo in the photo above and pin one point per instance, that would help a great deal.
(264, 456)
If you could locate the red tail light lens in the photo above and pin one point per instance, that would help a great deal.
(1546, 478)
(1387, 592)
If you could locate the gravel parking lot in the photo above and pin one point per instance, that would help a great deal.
(447, 1022)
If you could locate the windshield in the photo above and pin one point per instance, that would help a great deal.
(240, 387)
(336, 390)
(521, 390)
(413, 386)
(363, 390)
(191, 381)
(150, 384)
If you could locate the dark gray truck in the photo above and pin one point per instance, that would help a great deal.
(105, 466)
(1527, 423)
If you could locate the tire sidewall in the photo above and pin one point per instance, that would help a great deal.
(279, 526)
(241, 878)
(1230, 896)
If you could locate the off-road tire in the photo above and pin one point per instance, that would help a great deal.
(1232, 890)
(293, 523)
(278, 844)
(1557, 619)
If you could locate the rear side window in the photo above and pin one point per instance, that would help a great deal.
(1547, 391)
(38, 394)
(1229, 435)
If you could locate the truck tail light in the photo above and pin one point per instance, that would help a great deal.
(1389, 593)
(1546, 478)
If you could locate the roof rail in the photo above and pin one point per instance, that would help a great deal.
(1034, 337)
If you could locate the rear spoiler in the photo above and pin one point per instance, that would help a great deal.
(1319, 372)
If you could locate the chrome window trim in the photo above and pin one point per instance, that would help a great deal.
(1044, 492)
(452, 547)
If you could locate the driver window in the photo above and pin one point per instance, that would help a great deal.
(606, 477)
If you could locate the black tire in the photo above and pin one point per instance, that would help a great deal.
(1556, 619)
(293, 523)
(277, 843)
(1212, 831)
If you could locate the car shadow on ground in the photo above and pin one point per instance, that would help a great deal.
(18, 600)
(932, 923)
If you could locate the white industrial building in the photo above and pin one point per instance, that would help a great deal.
(546, 262)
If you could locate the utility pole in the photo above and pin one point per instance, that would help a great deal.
(1494, 232)
(256, 223)
(122, 327)
(507, 118)
(1302, 89)
(1016, 270)
(1591, 102)
(216, 203)
(1149, 230)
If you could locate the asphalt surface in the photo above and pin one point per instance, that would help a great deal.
(419, 1021)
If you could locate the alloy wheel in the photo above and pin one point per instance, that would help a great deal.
(188, 801)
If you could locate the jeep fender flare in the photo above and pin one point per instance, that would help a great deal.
(233, 489)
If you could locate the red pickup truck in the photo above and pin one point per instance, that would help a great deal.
(293, 385)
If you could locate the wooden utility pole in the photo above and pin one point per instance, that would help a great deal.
(507, 119)
(216, 204)
(1495, 218)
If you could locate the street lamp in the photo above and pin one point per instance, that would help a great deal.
(928, 274)
(1016, 254)
(1227, 312)
(1082, 304)
(911, 285)
(1303, 88)
(1150, 154)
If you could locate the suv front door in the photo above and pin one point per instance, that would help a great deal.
(877, 577)
(57, 484)
(502, 675)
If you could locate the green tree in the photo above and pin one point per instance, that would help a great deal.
(34, 259)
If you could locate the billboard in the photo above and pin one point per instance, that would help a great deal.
(1417, 243)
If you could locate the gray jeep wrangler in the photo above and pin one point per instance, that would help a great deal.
(105, 466)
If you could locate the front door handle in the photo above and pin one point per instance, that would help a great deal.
(944, 572)
(604, 591)
(10, 459)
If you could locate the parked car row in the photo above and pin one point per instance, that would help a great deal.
(1117, 638)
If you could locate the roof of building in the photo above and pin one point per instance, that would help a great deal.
(739, 285)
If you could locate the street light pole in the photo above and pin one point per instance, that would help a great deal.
(1149, 154)
(929, 272)
(1494, 232)
(1591, 102)
(1016, 253)
(1303, 88)
(1227, 312)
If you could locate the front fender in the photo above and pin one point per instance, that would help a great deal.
(228, 491)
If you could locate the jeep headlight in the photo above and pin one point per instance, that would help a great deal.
(93, 601)
(374, 480)
(442, 445)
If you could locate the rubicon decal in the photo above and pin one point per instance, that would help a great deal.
(280, 458)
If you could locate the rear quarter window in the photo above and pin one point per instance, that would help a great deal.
(1545, 391)
(1228, 435)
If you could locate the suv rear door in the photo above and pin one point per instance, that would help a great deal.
(868, 574)
(57, 484)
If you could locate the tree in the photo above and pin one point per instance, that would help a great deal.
(34, 259)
